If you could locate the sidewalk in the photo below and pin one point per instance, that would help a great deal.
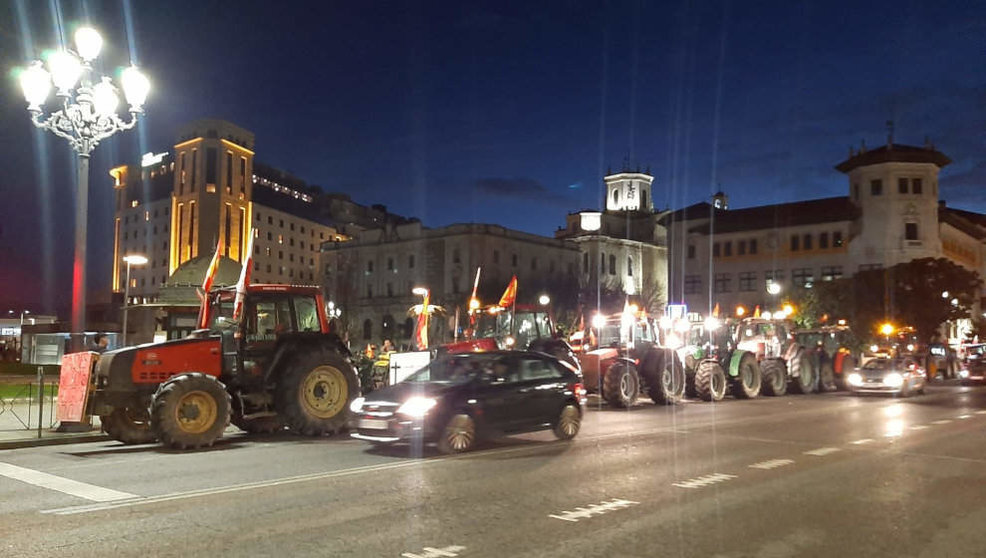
(19, 420)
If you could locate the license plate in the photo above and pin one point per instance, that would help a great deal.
(373, 424)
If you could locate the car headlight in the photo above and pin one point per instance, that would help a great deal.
(963, 374)
(357, 404)
(893, 380)
(417, 406)
(855, 379)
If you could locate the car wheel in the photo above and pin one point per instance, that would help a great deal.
(569, 423)
(459, 435)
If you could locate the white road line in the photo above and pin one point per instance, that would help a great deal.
(703, 481)
(964, 416)
(919, 427)
(593, 509)
(822, 451)
(942, 421)
(771, 464)
(431, 552)
(983, 412)
(861, 442)
(63, 485)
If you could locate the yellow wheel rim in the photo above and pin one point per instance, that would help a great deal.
(196, 412)
(324, 392)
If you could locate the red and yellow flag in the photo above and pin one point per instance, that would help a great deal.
(421, 334)
(509, 295)
(210, 277)
(244, 281)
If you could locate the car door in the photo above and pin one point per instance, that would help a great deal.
(502, 395)
(541, 388)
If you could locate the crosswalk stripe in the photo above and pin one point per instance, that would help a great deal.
(861, 442)
(822, 451)
(62, 484)
(942, 421)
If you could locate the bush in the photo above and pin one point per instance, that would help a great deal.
(22, 369)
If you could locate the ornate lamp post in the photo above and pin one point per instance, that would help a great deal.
(86, 115)
(132, 259)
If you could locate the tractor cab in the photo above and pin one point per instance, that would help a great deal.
(764, 337)
(510, 330)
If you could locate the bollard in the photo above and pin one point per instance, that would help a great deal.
(41, 397)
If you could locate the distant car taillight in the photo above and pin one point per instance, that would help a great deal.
(579, 390)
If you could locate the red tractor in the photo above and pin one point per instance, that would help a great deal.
(277, 366)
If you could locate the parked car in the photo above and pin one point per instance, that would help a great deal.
(459, 398)
(973, 365)
(896, 376)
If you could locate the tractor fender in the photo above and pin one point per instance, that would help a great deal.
(734, 362)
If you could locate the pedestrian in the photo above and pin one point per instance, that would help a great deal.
(99, 343)
(388, 346)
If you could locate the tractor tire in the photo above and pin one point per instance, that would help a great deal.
(826, 377)
(749, 381)
(710, 381)
(458, 436)
(314, 391)
(569, 422)
(803, 378)
(621, 385)
(190, 411)
(666, 385)
(130, 425)
(690, 389)
(774, 377)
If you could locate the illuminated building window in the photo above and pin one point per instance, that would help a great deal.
(280, 239)
(147, 215)
(134, 203)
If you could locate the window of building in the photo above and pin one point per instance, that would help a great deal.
(691, 251)
(210, 165)
(195, 168)
(291, 257)
(282, 223)
(229, 172)
(741, 248)
(390, 264)
(775, 275)
(727, 249)
(243, 174)
(722, 284)
(823, 240)
(795, 243)
(367, 329)
(747, 281)
(916, 186)
(280, 254)
(693, 284)
(267, 250)
(390, 289)
(801, 276)
(280, 239)
(602, 263)
(753, 246)
(513, 260)
(291, 241)
(369, 291)
(902, 185)
(534, 264)
(629, 266)
(456, 257)
(612, 264)
(291, 225)
(807, 242)
(302, 244)
(837, 239)
(268, 268)
(831, 273)
(911, 231)
(870, 267)
(410, 261)
(369, 266)
(715, 249)
(876, 187)
(256, 266)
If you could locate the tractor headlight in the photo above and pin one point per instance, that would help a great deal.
(855, 379)
(357, 404)
(417, 407)
(963, 374)
(893, 380)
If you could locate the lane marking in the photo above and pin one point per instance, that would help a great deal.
(65, 486)
(919, 427)
(983, 412)
(861, 442)
(771, 464)
(822, 451)
(593, 509)
(942, 421)
(431, 552)
(964, 416)
(703, 481)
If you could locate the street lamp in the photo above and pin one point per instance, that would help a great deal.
(544, 300)
(132, 259)
(86, 115)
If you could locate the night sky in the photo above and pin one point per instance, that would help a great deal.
(501, 112)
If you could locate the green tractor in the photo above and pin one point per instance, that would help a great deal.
(715, 366)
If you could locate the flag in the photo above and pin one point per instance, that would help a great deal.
(715, 311)
(210, 277)
(473, 301)
(509, 295)
(244, 281)
(421, 334)
(756, 311)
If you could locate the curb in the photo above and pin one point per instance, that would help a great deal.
(53, 441)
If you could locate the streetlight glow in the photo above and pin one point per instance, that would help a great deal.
(104, 98)
(887, 329)
(740, 311)
(420, 291)
(135, 259)
(136, 86)
(65, 71)
(773, 287)
(36, 85)
(89, 42)
(544, 300)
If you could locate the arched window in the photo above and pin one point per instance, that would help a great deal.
(585, 262)
(367, 329)
(629, 266)
(602, 262)
(616, 198)
(612, 264)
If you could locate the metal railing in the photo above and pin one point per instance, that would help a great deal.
(28, 405)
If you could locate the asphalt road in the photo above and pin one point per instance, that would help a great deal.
(822, 475)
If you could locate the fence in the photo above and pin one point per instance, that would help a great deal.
(27, 403)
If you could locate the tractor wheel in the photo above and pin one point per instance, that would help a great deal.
(568, 423)
(803, 378)
(774, 377)
(130, 425)
(314, 392)
(458, 436)
(749, 381)
(190, 411)
(621, 385)
(666, 385)
(710, 381)
(826, 377)
(690, 368)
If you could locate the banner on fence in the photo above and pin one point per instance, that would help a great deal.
(73, 386)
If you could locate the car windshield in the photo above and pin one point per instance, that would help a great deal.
(456, 369)
(880, 364)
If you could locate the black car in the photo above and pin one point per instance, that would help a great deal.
(461, 397)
